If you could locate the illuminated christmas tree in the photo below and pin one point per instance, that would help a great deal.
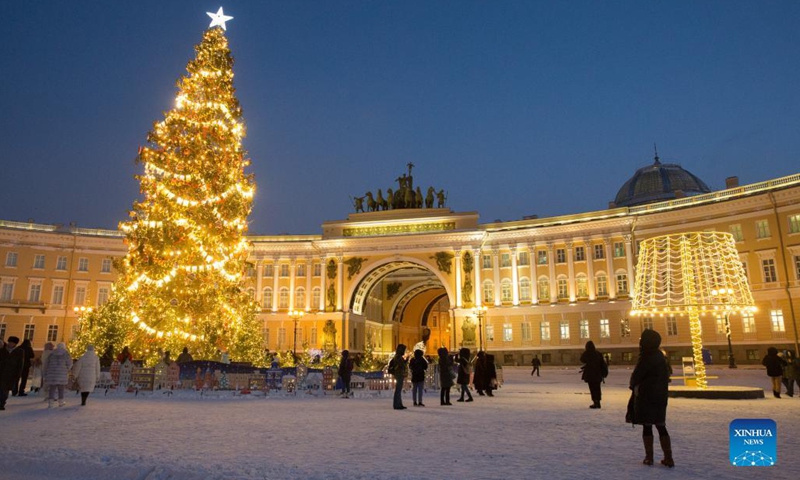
(181, 281)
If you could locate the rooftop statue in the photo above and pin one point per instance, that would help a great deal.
(406, 196)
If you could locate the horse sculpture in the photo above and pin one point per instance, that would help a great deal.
(371, 203)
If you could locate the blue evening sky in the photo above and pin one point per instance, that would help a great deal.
(514, 107)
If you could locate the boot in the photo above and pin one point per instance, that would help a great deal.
(596, 404)
(666, 446)
(648, 450)
(776, 393)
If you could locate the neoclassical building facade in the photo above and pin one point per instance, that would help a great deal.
(540, 286)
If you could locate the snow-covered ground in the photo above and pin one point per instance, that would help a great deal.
(533, 428)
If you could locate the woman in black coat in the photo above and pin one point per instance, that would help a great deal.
(648, 405)
(27, 358)
(480, 379)
(775, 365)
(445, 376)
(345, 372)
(594, 371)
(463, 373)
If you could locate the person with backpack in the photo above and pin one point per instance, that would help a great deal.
(594, 370)
(398, 368)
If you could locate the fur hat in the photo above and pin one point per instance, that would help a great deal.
(12, 340)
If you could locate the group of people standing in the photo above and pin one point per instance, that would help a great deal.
(782, 369)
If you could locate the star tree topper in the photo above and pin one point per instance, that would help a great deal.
(218, 18)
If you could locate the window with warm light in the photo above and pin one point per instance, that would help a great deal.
(625, 328)
(797, 267)
(563, 329)
(762, 229)
(622, 283)
(794, 224)
(544, 288)
(736, 231)
(52, 333)
(487, 261)
(29, 331)
(544, 330)
(776, 317)
(508, 332)
(505, 260)
(720, 323)
(315, 297)
(580, 254)
(541, 257)
(768, 267)
(601, 282)
(672, 326)
(523, 258)
(524, 289)
(102, 295)
(605, 328)
(563, 288)
(647, 323)
(58, 295)
(283, 298)
(582, 286)
(584, 329)
(266, 297)
(505, 290)
(599, 252)
(619, 249)
(748, 322)
(488, 291)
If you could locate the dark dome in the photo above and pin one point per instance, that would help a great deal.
(659, 182)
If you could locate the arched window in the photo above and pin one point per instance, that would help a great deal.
(563, 288)
(505, 289)
(300, 298)
(582, 285)
(315, 297)
(283, 298)
(524, 289)
(602, 284)
(266, 298)
(544, 288)
(488, 291)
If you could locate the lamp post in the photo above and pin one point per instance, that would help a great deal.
(724, 293)
(480, 313)
(296, 315)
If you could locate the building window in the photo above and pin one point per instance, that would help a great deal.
(38, 262)
(284, 270)
(283, 298)
(619, 249)
(580, 254)
(269, 270)
(105, 266)
(622, 283)
(720, 324)
(526, 331)
(505, 290)
(672, 326)
(625, 328)
(505, 260)
(488, 292)
(11, 259)
(627, 356)
(52, 333)
(561, 255)
(797, 267)
(83, 264)
(35, 292)
(762, 229)
(794, 224)
(582, 285)
(776, 316)
(30, 329)
(523, 258)
(102, 296)
(584, 327)
(546, 358)
(265, 334)
(61, 263)
(6, 291)
(647, 323)
(58, 295)
(525, 290)
(770, 274)
(605, 328)
(508, 332)
(602, 285)
(281, 337)
(544, 288)
(599, 252)
(752, 354)
(301, 270)
(300, 298)
(80, 295)
(748, 323)
(266, 297)
(315, 297)
(487, 261)
(2, 330)
(544, 330)
(736, 231)
(563, 289)
(317, 269)
(490, 333)
(563, 329)
(541, 257)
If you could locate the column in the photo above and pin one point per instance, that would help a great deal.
(496, 275)
(478, 264)
(587, 245)
(309, 274)
(340, 286)
(534, 276)
(571, 270)
(551, 263)
(259, 280)
(514, 277)
(292, 267)
(276, 271)
(323, 262)
(629, 258)
(611, 283)
(458, 277)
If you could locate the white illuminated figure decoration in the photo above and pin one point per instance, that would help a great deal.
(218, 18)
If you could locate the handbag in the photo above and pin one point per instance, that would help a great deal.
(629, 413)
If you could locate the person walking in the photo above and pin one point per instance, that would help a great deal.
(791, 373)
(10, 367)
(398, 368)
(775, 366)
(480, 378)
(56, 371)
(490, 371)
(345, 372)
(87, 373)
(535, 363)
(648, 404)
(27, 358)
(463, 374)
(594, 371)
(445, 376)
(418, 365)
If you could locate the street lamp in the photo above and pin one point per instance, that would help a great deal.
(480, 313)
(296, 315)
(725, 293)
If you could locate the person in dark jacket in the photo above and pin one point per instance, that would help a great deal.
(594, 371)
(185, 356)
(398, 368)
(445, 376)
(480, 378)
(10, 367)
(418, 365)
(491, 375)
(790, 373)
(27, 358)
(648, 405)
(463, 374)
(345, 372)
(535, 363)
(775, 366)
